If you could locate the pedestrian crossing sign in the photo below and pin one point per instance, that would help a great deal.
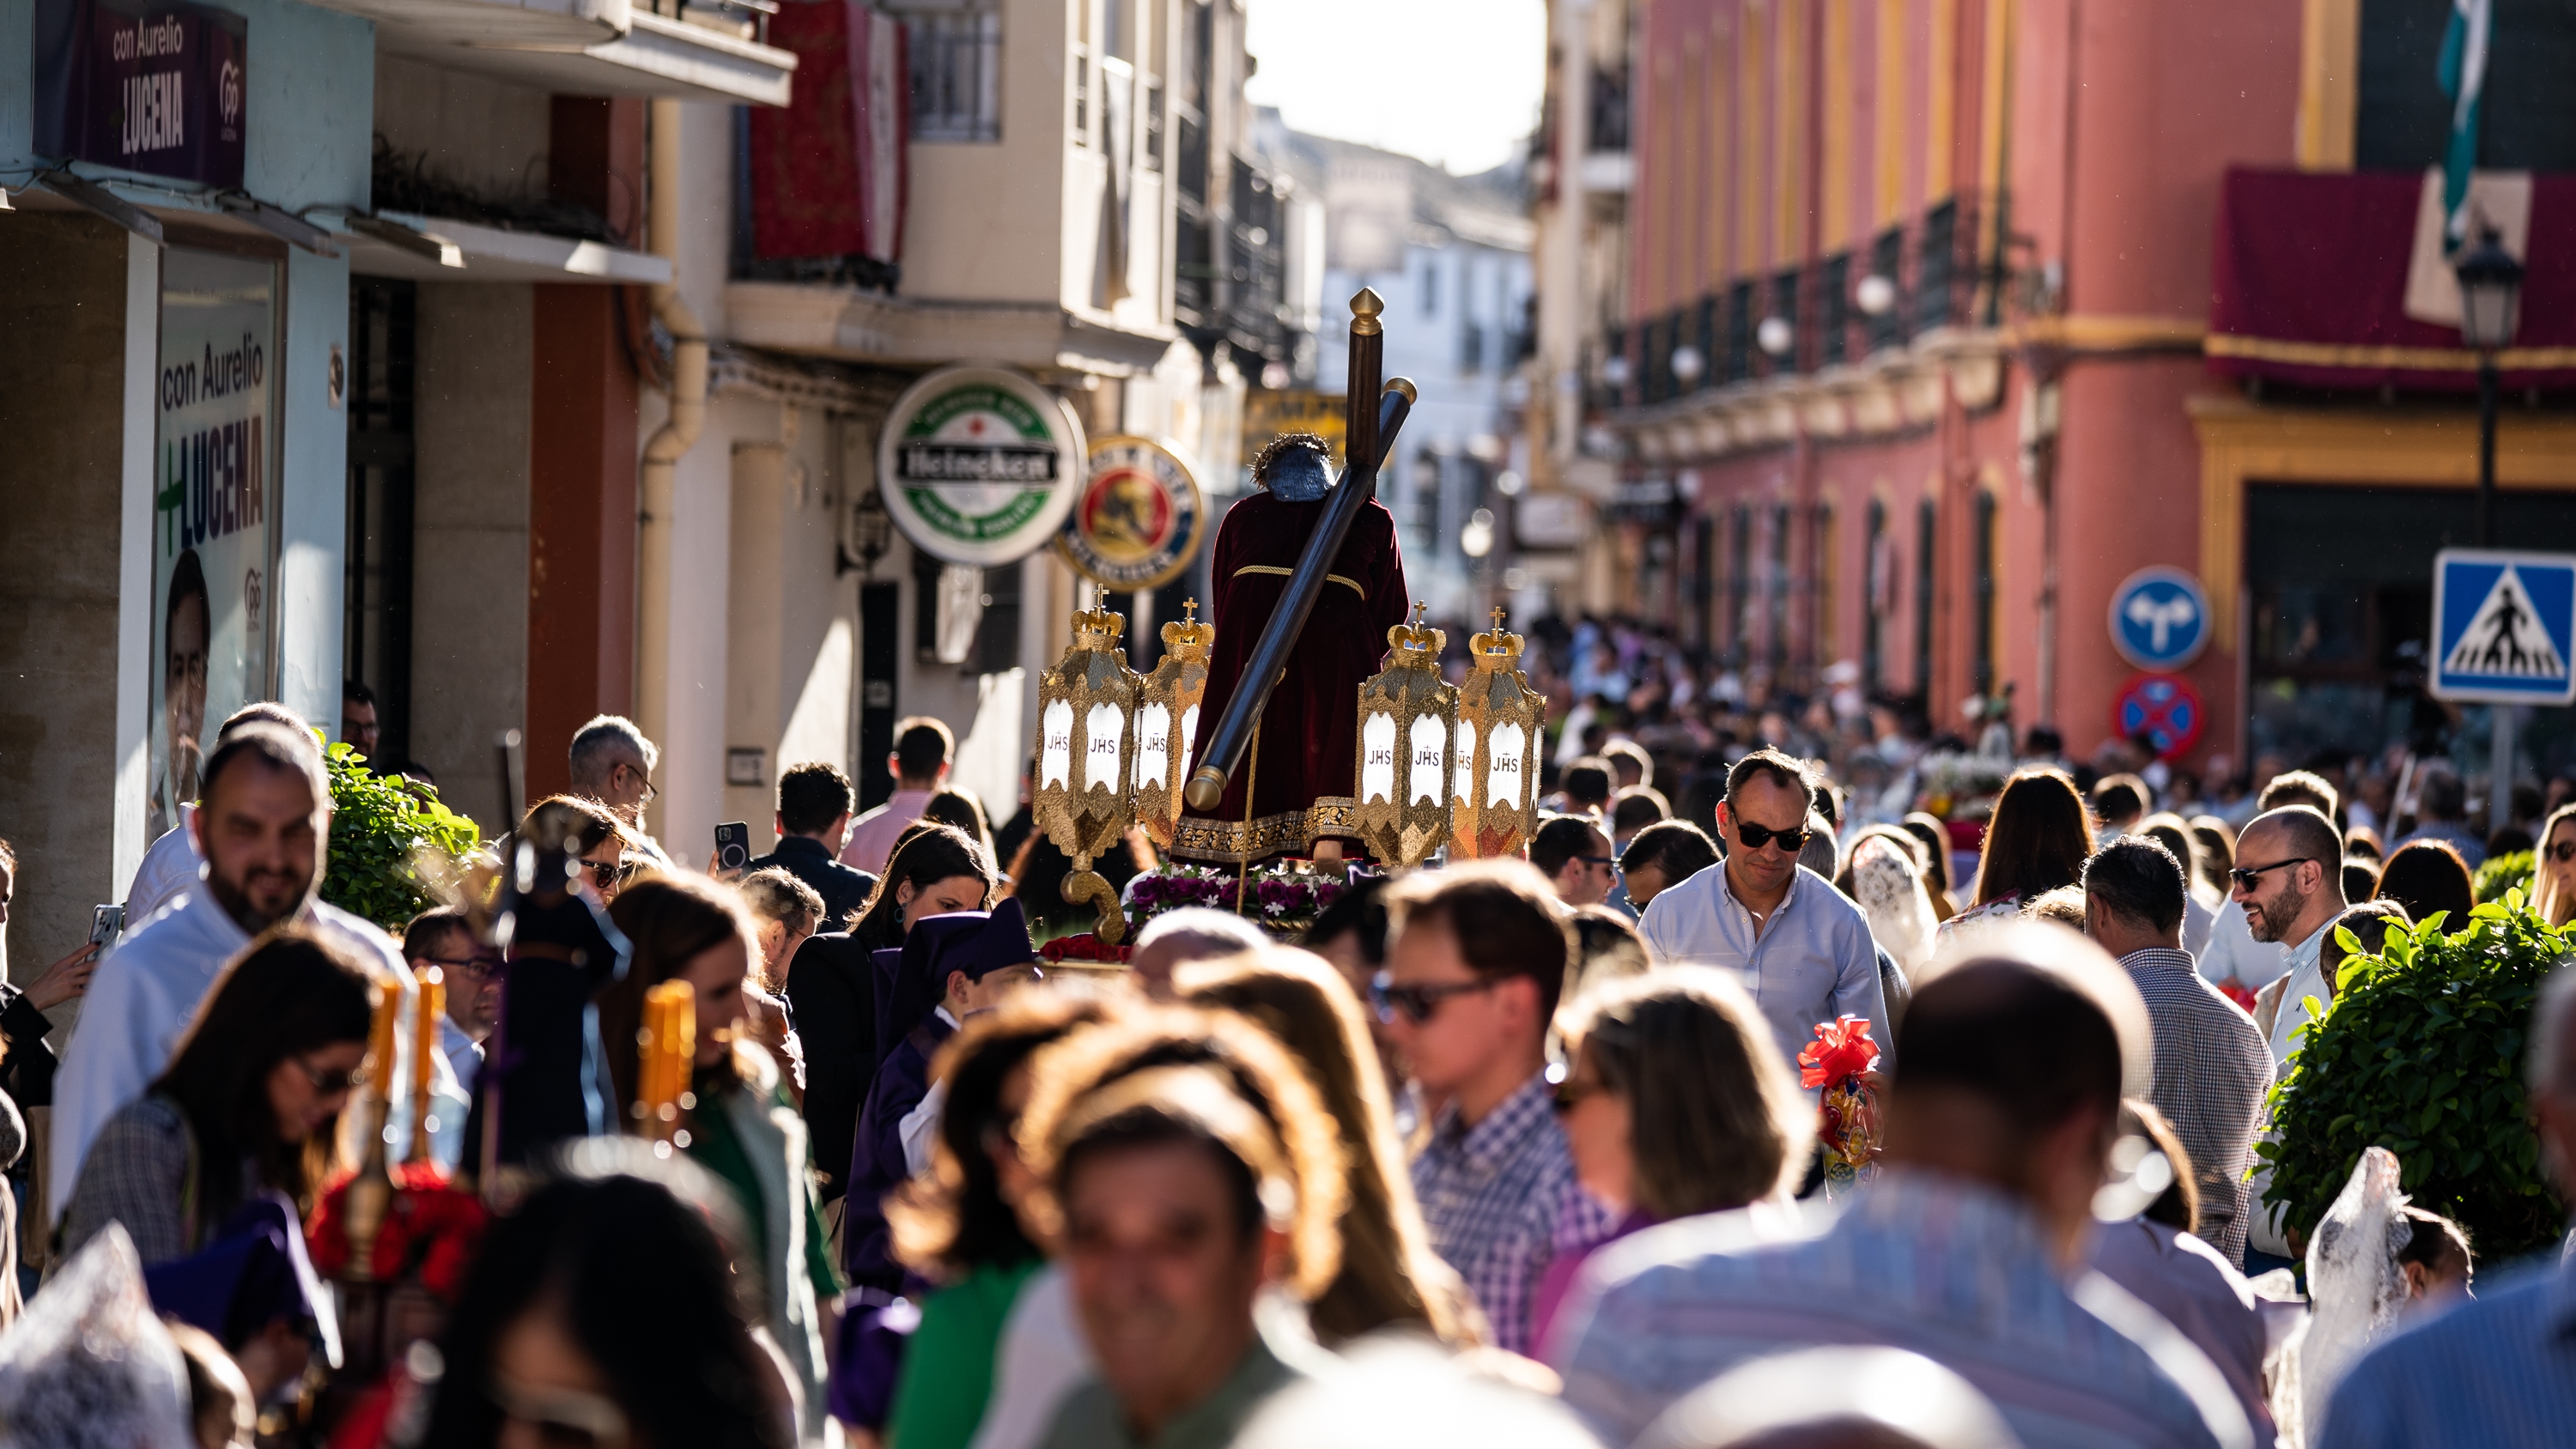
(2504, 626)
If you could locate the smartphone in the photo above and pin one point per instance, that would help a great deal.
(733, 846)
(106, 923)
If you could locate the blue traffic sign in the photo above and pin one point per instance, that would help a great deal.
(2504, 626)
(2159, 618)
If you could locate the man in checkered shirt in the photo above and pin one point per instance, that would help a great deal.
(2212, 1064)
(1476, 961)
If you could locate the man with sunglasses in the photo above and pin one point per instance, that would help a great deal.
(1801, 947)
(2288, 881)
(1475, 961)
(1575, 857)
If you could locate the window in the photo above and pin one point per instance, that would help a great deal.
(1927, 552)
(1877, 590)
(1935, 265)
(1784, 305)
(1779, 590)
(1887, 259)
(1739, 580)
(1989, 551)
(956, 62)
(1739, 332)
(1833, 309)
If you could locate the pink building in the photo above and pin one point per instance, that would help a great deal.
(1942, 318)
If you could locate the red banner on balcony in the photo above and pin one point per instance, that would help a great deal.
(2309, 279)
(827, 170)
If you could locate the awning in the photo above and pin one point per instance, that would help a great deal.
(491, 254)
(2309, 285)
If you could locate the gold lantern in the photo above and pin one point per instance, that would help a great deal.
(1085, 798)
(1167, 723)
(1500, 721)
(1407, 714)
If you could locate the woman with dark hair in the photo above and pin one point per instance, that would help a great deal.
(2553, 868)
(958, 1225)
(836, 995)
(250, 1103)
(1935, 835)
(2038, 840)
(596, 838)
(606, 1311)
(740, 1126)
(2426, 876)
(1675, 1102)
(934, 870)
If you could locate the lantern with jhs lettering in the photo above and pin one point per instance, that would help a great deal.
(1167, 722)
(1085, 796)
(1407, 714)
(1495, 806)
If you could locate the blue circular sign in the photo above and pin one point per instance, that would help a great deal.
(2159, 618)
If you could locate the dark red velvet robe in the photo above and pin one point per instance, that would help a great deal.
(1306, 748)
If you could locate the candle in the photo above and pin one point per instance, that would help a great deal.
(667, 1047)
(380, 1043)
(424, 1049)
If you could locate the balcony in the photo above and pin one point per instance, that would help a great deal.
(593, 47)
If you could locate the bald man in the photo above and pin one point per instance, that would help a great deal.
(2289, 880)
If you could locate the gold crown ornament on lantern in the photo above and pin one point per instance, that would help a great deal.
(1167, 722)
(1494, 809)
(1407, 713)
(1085, 797)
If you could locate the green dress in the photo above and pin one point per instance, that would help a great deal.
(947, 1376)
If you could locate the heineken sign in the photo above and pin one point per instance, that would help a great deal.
(979, 465)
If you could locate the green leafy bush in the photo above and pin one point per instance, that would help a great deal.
(2422, 1053)
(376, 822)
(2504, 873)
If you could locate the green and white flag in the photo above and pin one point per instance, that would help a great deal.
(2463, 74)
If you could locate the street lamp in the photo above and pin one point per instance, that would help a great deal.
(1876, 295)
(1477, 539)
(2490, 297)
(1688, 364)
(1775, 336)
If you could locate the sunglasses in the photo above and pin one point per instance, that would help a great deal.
(330, 1084)
(2247, 877)
(2562, 852)
(1758, 836)
(1570, 1093)
(604, 874)
(1606, 862)
(1416, 1004)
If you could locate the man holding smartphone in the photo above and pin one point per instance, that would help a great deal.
(814, 806)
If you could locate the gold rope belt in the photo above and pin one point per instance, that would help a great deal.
(1350, 584)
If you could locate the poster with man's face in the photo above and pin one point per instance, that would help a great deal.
(213, 513)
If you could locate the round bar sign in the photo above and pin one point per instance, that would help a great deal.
(979, 464)
(1139, 517)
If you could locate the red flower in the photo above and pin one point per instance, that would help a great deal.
(1842, 1051)
(2238, 992)
(428, 1225)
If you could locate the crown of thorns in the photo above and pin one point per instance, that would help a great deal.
(1281, 444)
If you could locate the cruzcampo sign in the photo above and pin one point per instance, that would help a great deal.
(1139, 517)
(979, 465)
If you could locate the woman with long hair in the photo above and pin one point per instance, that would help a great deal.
(996, 1346)
(934, 870)
(741, 1128)
(2553, 868)
(1929, 828)
(1675, 1102)
(957, 808)
(606, 1310)
(1389, 1275)
(836, 996)
(2426, 876)
(603, 849)
(2038, 840)
(250, 1103)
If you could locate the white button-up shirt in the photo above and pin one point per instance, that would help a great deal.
(1813, 961)
(147, 991)
(2307, 979)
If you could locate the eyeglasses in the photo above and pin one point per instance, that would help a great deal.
(330, 1084)
(2247, 877)
(563, 1418)
(1758, 836)
(1416, 1003)
(651, 790)
(2562, 852)
(464, 968)
(1606, 862)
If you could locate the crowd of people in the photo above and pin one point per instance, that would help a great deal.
(1519, 1151)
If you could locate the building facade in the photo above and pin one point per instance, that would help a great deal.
(1937, 320)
